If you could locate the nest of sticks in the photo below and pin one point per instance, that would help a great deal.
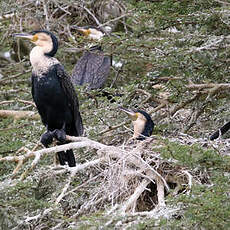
(128, 179)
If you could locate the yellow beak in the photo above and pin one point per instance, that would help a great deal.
(130, 112)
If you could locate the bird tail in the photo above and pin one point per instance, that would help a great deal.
(78, 125)
(220, 131)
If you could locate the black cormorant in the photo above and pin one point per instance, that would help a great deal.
(142, 122)
(53, 93)
(93, 68)
(220, 131)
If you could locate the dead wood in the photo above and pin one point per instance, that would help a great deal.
(4, 80)
(16, 115)
(126, 171)
(209, 85)
(18, 100)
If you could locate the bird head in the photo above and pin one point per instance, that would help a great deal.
(43, 39)
(90, 32)
(133, 114)
(142, 122)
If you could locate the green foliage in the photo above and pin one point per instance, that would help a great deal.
(21, 197)
(205, 207)
(195, 156)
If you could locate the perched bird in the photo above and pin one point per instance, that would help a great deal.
(53, 93)
(93, 68)
(220, 131)
(142, 122)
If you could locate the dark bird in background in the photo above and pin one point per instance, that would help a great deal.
(221, 131)
(53, 93)
(142, 123)
(93, 68)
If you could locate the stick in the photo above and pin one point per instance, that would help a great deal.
(113, 127)
(73, 173)
(19, 114)
(116, 19)
(160, 192)
(209, 85)
(14, 76)
(18, 100)
(46, 14)
(131, 202)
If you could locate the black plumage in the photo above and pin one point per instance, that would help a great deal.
(53, 94)
(148, 127)
(220, 131)
(92, 69)
(56, 100)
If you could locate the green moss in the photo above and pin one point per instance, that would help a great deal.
(22, 197)
(194, 156)
(206, 206)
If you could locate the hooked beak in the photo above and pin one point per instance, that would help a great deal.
(130, 112)
(84, 31)
(23, 35)
(78, 28)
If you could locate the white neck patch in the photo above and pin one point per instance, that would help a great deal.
(139, 125)
(96, 34)
(39, 61)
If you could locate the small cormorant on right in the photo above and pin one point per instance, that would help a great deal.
(220, 131)
(142, 122)
(93, 68)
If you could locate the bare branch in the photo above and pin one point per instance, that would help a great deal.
(46, 14)
(93, 16)
(131, 202)
(116, 19)
(18, 100)
(209, 85)
(19, 114)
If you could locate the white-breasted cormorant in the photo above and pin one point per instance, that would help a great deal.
(91, 32)
(93, 68)
(53, 93)
(220, 131)
(142, 123)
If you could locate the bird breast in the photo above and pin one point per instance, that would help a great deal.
(139, 126)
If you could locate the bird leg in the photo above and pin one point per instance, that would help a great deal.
(70, 158)
(61, 157)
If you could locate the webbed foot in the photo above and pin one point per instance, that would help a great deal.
(60, 135)
(47, 138)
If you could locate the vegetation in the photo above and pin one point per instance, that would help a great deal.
(170, 59)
